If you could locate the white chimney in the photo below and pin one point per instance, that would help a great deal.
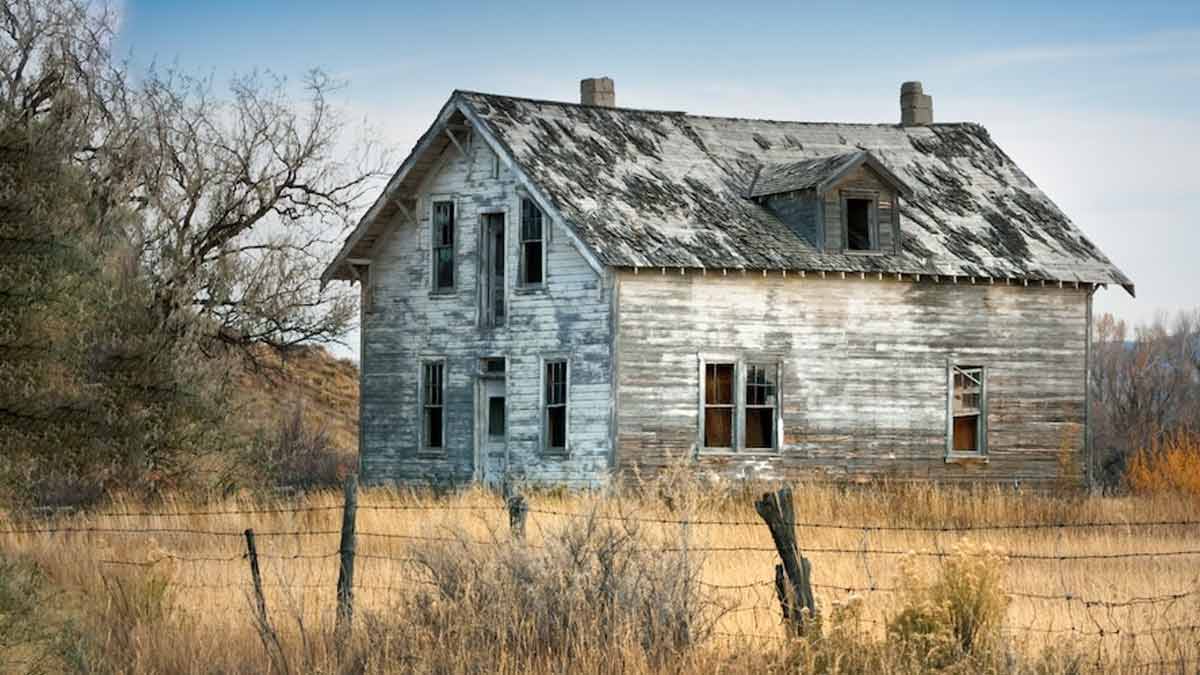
(916, 108)
(597, 91)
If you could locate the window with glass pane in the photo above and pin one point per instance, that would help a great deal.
(443, 246)
(968, 409)
(556, 405)
(431, 396)
(532, 241)
(718, 405)
(761, 405)
(496, 416)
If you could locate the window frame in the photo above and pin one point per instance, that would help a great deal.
(981, 432)
(521, 284)
(423, 446)
(741, 365)
(487, 319)
(844, 197)
(544, 407)
(434, 247)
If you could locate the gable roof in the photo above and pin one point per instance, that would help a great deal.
(819, 173)
(640, 188)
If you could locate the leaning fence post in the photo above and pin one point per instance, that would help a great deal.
(518, 508)
(345, 583)
(265, 632)
(795, 596)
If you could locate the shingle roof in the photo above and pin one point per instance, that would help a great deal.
(667, 189)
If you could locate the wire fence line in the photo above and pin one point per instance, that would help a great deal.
(1096, 617)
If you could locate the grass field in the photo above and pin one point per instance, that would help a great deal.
(170, 591)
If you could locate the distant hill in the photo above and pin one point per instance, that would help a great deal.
(326, 387)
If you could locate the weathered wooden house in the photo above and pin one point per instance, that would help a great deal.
(561, 292)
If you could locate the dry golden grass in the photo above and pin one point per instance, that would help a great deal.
(205, 624)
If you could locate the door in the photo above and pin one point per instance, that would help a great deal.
(493, 417)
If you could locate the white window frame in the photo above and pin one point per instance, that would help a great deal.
(544, 406)
(422, 439)
(740, 365)
(520, 239)
(456, 229)
(981, 450)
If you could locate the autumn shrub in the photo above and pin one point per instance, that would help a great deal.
(598, 596)
(956, 615)
(1169, 465)
(295, 455)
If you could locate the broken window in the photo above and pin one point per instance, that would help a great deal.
(556, 405)
(493, 273)
(443, 246)
(532, 243)
(432, 396)
(860, 225)
(718, 405)
(760, 405)
(968, 409)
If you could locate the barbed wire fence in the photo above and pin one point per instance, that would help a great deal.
(787, 596)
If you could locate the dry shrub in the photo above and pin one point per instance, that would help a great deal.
(598, 596)
(1170, 465)
(958, 614)
(296, 455)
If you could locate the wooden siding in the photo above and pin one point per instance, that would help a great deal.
(570, 316)
(864, 386)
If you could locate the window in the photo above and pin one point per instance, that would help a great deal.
(740, 405)
(443, 247)
(493, 269)
(432, 399)
(496, 416)
(968, 408)
(555, 397)
(718, 405)
(532, 244)
(760, 406)
(861, 230)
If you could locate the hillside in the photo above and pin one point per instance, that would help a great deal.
(325, 386)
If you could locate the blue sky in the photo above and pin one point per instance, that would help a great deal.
(1098, 102)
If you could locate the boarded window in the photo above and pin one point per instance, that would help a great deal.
(718, 405)
(860, 234)
(532, 243)
(496, 416)
(968, 409)
(432, 395)
(493, 273)
(761, 406)
(443, 246)
(556, 405)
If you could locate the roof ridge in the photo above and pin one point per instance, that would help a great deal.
(684, 113)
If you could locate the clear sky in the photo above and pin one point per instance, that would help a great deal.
(1099, 102)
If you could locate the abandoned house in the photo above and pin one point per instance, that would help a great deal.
(564, 292)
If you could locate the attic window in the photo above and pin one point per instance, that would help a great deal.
(862, 231)
(532, 244)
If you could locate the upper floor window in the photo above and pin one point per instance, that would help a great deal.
(443, 246)
(968, 410)
(532, 244)
(860, 217)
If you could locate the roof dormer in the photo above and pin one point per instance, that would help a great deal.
(843, 203)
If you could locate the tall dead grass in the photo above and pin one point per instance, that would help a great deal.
(596, 588)
(1169, 465)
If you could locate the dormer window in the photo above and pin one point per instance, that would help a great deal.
(861, 223)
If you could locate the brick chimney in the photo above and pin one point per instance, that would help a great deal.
(916, 107)
(597, 91)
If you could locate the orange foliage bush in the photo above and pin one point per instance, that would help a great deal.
(1170, 465)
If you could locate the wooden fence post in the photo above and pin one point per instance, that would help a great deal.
(265, 632)
(518, 508)
(794, 591)
(345, 583)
